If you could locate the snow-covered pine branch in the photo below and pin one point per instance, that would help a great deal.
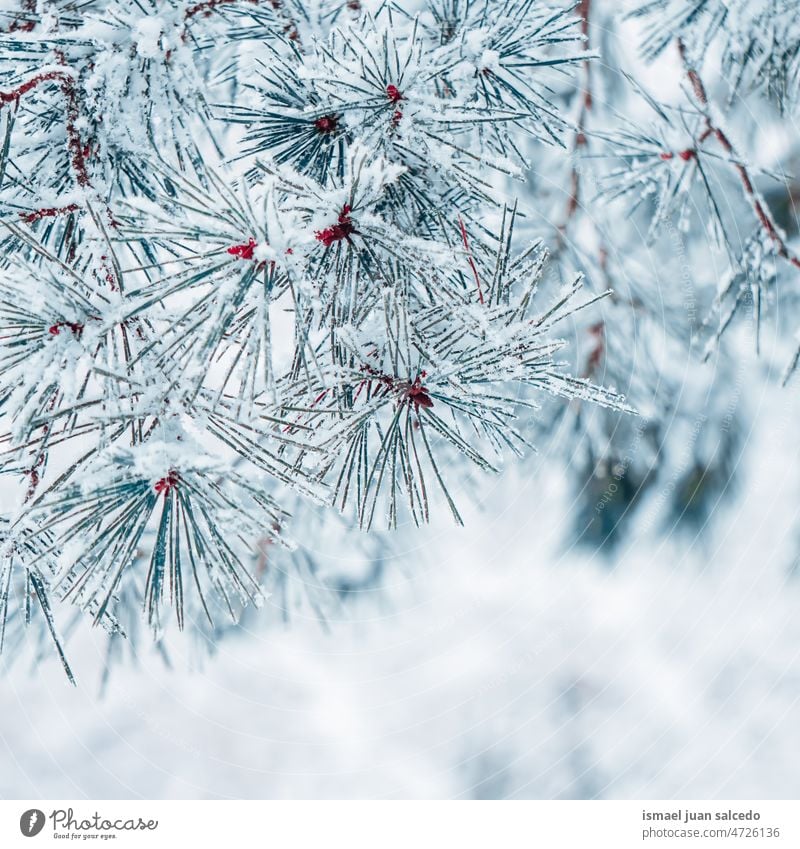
(258, 258)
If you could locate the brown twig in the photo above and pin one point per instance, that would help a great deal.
(207, 7)
(44, 77)
(470, 259)
(78, 152)
(579, 141)
(761, 213)
(48, 212)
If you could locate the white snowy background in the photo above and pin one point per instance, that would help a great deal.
(498, 664)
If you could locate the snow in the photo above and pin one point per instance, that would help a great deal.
(147, 36)
(501, 665)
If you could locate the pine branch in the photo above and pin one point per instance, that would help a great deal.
(762, 215)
